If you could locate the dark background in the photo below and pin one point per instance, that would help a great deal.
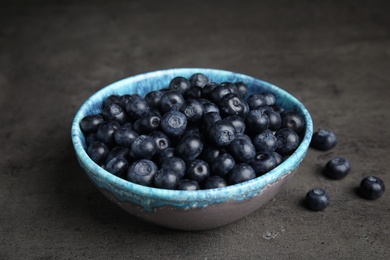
(332, 55)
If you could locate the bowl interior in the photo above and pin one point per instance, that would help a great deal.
(150, 198)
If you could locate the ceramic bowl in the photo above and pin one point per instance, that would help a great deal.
(189, 210)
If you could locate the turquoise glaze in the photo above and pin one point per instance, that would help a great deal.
(152, 198)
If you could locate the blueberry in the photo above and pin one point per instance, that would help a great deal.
(222, 164)
(174, 123)
(197, 170)
(90, 138)
(137, 108)
(149, 123)
(238, 122)
(209, 119)
(192, 109)
(115, 112)
(287, 141)
(256, 121)
(180, 84)
(263, 162)
(175, 164)
(255, 100)
(278, 109)
(161, 139)
(98, 152)
(293, 120)
(111, 99)
(242, 88)
(278, 157)
(269, 98)
(142, 172)
(207, 89)
(106, 131)
(153, 98)
(91, 123)
(125, 135)
(218, 92)
(209, 153)
(169, 99)
(371, 188)
(124, 99)
(186, 184)
(165, 178)
(242, 136)
(162, 155)
(189, 147)
(317, 199)
(209, 107)
(275, 121)
(222, 133)
(233, 104)
(324, 140)
(265, 141)
(117, 166)
(118, 151)
(230, 85)
(199, 80)
(214, 182)
(241, 150)
(193, 93)
(337, 168)
(241, 172)
(144, 147)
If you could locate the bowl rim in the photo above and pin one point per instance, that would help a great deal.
(216, 195)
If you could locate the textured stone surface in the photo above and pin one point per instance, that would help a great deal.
(334, 56)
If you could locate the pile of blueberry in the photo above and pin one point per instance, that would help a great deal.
(337, 168)
(193, 134)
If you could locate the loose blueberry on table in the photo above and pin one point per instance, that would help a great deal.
(371, 188)
(337, 168)
(194, 134)
(317, 199)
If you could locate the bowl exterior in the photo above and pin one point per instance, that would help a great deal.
(189, 210)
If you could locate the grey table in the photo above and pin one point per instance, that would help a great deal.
(332, 55)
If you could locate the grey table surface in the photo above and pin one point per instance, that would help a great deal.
(332, 55)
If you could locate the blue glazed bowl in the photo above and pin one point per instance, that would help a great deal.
(189, 210)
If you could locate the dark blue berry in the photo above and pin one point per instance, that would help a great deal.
(324, 140)
(275, 121)
(106, 131)
(149, 123)
(287, 141)
(233, 104)
(371, 188)
(180, 84)
(118, 151)
(124, 99)
(241, 150)
(209, 153)
(137, 108)
(91, 123)
(193, 93)
(115, 112)
(292, 119)
(175, 164)
(269, 98)
(208, 120)
(153, 98)
(240, 173)
(337, 168)
(186, 184)
(242, 88)
(230, 85)
(222, 133)
(255, 100)
(98, 152)
(142, 172)
(265, 141)
(242, 136)
(169, 99)
(162, 155)
(161, 139)
(173, 123)
(197, 170)
(256, 121)
(199, 80)
(222, 164)
(90, 138)
(144, 147)
(214, 182)
(278, 157)
(125, 135)
(207, 89)
(117, 166)
(238, 122)
(317, 199)
(192, 109)
(165, 178)
(111, 99)
(263, 162)
(189, 147)
(218, 92)
(209, 107)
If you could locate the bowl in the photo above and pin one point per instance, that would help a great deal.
(189, 210)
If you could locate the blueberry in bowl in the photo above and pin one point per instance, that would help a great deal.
(194, 177)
